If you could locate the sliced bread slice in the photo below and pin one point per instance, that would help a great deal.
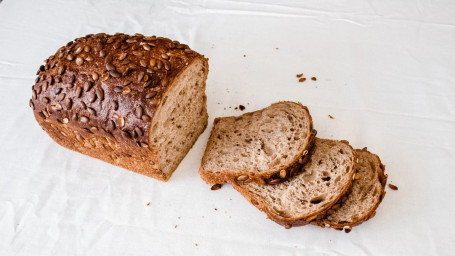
(257, 145)
(364, 197)
(324, 179)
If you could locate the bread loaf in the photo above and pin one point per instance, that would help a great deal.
(133, 101)
(261, 146)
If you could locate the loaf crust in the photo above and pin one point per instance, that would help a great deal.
(98, 94)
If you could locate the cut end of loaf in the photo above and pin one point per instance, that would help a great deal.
(322, 182)
(180, 119)
(257, 144)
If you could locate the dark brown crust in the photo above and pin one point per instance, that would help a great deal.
(382, 178)
(98, 94)
(264, 177)
(302, 220)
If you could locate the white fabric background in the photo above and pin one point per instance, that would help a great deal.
(386, 72)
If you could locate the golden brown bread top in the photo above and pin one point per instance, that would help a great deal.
(109, 84)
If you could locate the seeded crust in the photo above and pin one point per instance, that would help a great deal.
(365, 157)
(261, 203)
(98, 95)
(247, 176)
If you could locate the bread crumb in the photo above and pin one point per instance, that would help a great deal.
(148, 203)
(277, 48)
(331, 117)
(196, 244)
(216, 209)
(314, 78)
(244, 55)
(393, 187)
(236, 108)
(299, 75)
(176, 226)
(178, 217)
(241, 107)
(301, 80)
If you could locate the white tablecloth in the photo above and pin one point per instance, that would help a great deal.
(385, 71)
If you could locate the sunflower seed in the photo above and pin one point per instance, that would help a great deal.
(146, 47)
(84, 119)
(46, 100)
(93, 129)
(69, 57)
(140, 76)
(100, 93)
(126, 134)
(58, 91)
(30, 103)
(87, 48)
(126, 90)
(61, 70)
(111, 125)
(102, 53)
(61, 97)
(131, 41)
(152, 62)
(56, 107)
(87, 86)
(91, 111)
(242, 178)
(216, 187)
(72, 79)
(92, 97)
(89, 58)
(118, 89)
(114, 105)
(114, 73)
(68, 103)
(95, 76)
(283, 174)
(121, 121)
(164, 56)
(138, 131)
(159, 64)
(144, 145)
(137, 53)
(145, 118)
(44, 86)
(126, 82)
(74, 117)
(84, 106)
(110, 66)
(148, 83)
(139, 112)
(275, 181)
(122, 56)
(78, 91)
(110, 40)
(143, 63)
(34, 94)
(105, 76)
(65, 120)
(167, 66)
(150, 95)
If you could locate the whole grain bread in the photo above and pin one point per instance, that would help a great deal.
(362, 200)
(258, 146)
(324, 179)
(137, 102)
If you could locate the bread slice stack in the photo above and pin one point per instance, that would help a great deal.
(272, 157)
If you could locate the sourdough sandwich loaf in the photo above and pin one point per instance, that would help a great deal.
(260, 146)
(133, 101)
(330, 185)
